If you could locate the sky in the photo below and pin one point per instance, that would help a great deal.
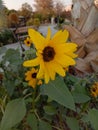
(16, 4)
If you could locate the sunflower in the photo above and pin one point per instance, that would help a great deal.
(31, 78)
(53, 54)
(28, 41)
(94, 90)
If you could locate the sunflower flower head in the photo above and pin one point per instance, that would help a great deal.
(94, 90)
(28, 41)
(53, 54)
(31, 77)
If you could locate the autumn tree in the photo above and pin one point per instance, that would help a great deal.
(13, 19)
(58, 7)
(45, 7)
(26, 11)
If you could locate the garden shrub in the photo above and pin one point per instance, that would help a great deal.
(6, 37)
(36, 22)
(29, 22)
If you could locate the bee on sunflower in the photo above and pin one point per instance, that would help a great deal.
(53, 54)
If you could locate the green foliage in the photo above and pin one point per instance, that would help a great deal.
(39, 16)
(62, 94)
(65, 103)
(6, 37)
(29, 22)
(32, 121)
(36, 22)
(93, 117)
(14, 113)
(72, 123)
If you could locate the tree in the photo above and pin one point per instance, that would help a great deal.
(59, 7)
(13, 19)
(45, 7)
(26, 11)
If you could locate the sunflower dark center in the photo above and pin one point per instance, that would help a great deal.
(94, 89)
(34, 75)
(48, 54)
(28, 42)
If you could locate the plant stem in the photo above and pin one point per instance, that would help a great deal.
(37, 115)
(56, 128)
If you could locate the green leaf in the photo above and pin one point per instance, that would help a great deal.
(32, 121)
(79, 88)
(72, 123)
(44, 125)
(9, 85)
(13, 56)
(80, 98)
(50, 110)
(2, 50)
(85, 118)
(72, 78)
(58, 91)
(93, 117)
(14, 113)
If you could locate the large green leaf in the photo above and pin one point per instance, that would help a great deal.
(44, 125)
(13, 60)
(80, 98)
(13, 56)
(79, 88)
(9, 85)
(93, 117)
(32, 121)
(80, 93)
(72, 123)
(58, 91)
(14, 113)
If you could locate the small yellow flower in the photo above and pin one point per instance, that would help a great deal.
(28, 41)
(31, 78)
(94, 90)
(53, 54)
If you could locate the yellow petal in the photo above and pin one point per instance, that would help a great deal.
(47, 78)
(58, 69)
(33, 83)
(50, 70)
(57, 34)
(59, 48)
(31, 63)
(64, 60)
(73, 55)
(37, 38)
(47, 40)
(28, 77)
(67, 49)
(48, 34)
(71, 47)
(60, 37)
(41, 70)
